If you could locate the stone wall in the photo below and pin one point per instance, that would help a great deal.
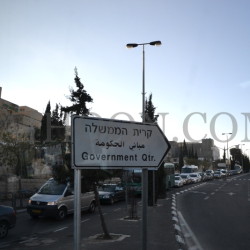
(12, 184)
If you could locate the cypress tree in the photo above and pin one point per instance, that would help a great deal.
(79, 98)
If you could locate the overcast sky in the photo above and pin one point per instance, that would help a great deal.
(202, 66)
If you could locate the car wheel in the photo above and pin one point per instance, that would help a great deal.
(62, 212)
(92, 207)
(3, 229)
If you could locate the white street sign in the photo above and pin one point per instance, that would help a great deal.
(114, 144)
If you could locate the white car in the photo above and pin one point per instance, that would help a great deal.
(178, 181)
(217, 174)
(55, 199)
(186, 178)
(195, 177)
(210, 174)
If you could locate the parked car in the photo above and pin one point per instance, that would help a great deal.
(111, 193)
(224, 172)
(178, 181)
(195, 177)
(217, 174)
(7, 220)
(210, 174)
(55, 199)
(186, 178)
(203, 176)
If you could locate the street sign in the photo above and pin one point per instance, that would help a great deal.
(115, 144)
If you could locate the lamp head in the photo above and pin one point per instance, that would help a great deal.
(155, 43)
(131, 45)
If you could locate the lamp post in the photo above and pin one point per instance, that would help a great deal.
(144, 170)
(134, 45)
(227, 141)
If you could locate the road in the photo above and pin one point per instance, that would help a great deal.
(45, 233)
(215, 215)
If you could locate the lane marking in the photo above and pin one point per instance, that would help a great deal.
(85, 220)
(190, 238)
(60, 229)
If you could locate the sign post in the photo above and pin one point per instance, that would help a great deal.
(114, 144)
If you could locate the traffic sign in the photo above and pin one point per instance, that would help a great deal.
(115, 144)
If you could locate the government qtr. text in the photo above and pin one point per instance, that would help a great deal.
(114, 157)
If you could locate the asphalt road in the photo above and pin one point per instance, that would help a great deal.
(45, 233)
(216, 215)
(206, 216)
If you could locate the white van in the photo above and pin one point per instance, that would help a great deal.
(56, 199)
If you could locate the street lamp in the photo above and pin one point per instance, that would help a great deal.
(134, 45)
(227, 141)
(144, 170)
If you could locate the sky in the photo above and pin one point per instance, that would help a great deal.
(199, 77)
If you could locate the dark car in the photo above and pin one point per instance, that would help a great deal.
(7, 220)
(110, 193)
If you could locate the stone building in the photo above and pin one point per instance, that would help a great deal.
(205, 150)
(18, 120)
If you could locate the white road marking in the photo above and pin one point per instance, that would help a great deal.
(85, 220)
(60, 229)
(190, 238)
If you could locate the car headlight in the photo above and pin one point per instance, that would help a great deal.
(106, 196)
(52, 203)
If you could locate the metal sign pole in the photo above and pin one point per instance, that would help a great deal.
(144, 207)
(77, 213)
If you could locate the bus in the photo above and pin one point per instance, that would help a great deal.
(187, 169)
(169, 170)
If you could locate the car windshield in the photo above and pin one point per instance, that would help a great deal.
(107, 188)
(184, 176)
(52, 187)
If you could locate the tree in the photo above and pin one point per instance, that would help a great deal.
(44, 122)
(185, 149)
(79, 99)
(150, 117)
(57, 124)
(150, 111)
(16, 151)
(181, 160)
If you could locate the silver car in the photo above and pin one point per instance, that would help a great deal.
(56, 199)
